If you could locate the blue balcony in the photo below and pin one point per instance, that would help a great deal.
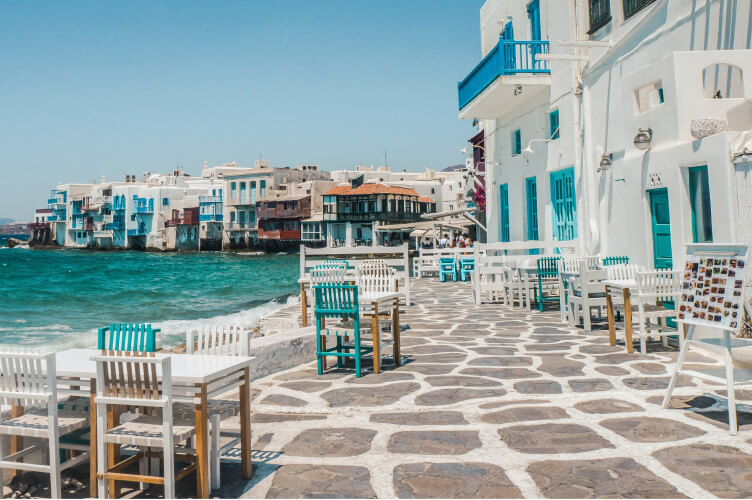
(137, 232)
(144, 206)
(507, 58)
(210, 199)
(210, 217)
(115, 226)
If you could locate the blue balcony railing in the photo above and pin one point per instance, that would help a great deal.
(137, 232)
(508, 57)
(210, 199)
(115, 226)
(210, 217)
(144, 206)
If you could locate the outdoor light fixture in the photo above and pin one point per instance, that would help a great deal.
(605, 163)
(643, 138)
(518, 90)
(529, 148)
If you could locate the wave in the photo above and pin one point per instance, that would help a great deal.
(58, 337)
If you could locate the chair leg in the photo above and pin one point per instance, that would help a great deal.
(169, 468)
(214, 459)
(356, 338)
(143, 468)
(320, 366)
(339, 350)
(102, 489)
(586, 320)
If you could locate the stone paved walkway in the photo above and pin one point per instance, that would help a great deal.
(495, 402)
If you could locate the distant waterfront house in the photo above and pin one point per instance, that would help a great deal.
(279, 219)
(351, 213)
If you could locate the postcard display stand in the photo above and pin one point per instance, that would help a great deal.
(713, 297)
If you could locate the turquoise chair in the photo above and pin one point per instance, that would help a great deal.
(127, 337)
(467, 266)
(548, 272)
(338, 300)
(447, 267)
(611, 261)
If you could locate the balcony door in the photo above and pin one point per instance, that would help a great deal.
(508, 49)
(533, 13)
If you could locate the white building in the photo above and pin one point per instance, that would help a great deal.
(588, 82)
(447, 187)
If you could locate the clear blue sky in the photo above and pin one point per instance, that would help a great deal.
(93, 88)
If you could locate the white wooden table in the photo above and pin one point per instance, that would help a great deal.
(194, 378)
(374, 305)
(624, 287)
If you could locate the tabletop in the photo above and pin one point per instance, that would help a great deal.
(622, 284)
(378, 297)
(186, 368)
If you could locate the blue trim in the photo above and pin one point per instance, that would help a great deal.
(564, 204)
(504, 211)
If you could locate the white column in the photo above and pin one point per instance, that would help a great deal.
(374, 241)
(348, 234)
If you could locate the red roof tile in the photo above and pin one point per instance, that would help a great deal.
(370, 188)
(425, 199)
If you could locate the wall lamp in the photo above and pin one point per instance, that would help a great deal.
(529, 148)
(643, 138)
(606, 161)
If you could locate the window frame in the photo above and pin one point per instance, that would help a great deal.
(553, 117)
(707, 215)
(517, 142)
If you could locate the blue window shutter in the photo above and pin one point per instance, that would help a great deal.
(553, 119)
(531, 189)
(563, 204)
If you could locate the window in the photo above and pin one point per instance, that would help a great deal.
(233, 190)
(553, 125)
(133, 216)
(262, 189)
(504, 207)
(516, 142)
(243, 193)
(632, 7)
(232, 217)
(722, 81)
(531, 189)
(564, 204)
(600, 14)
(649, 96)
(253, 192)
(165, 202)
(699, 200)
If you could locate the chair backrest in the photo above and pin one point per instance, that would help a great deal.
(588, 281)
(336, 300)
(376, 280)
(548, 266)
(623, 271)
(571, 264)
(134, 380)
(336, 262)
(222, 340)
(610, 261)
(446, 260)
(127, 337)
(372, 265)
(328, 273)
(663, 285)
(27, 379)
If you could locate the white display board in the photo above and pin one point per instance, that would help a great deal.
(713, 286)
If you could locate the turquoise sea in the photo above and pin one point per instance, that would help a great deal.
(57, 298)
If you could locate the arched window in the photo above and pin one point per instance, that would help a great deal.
(253, 192)
(722, 80)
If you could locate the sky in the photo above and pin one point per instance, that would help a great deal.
(91, 89)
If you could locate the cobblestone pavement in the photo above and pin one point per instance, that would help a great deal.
(494, 401)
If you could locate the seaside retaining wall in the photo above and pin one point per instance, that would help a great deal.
(282, 351)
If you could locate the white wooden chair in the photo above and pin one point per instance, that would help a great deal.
(653, 289)
(569, 265)
(585, 293)
(623, 271)
(516, 286)
(220, 340)
(132, 381)
(29, 380)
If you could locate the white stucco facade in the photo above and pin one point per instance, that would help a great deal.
(656, 70)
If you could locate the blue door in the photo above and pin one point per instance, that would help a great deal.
(531, 191)
(533, 13)
(564, 204)
(504, 205)
(661, 224)
(509, 58)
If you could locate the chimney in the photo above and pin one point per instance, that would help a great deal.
(206, 164)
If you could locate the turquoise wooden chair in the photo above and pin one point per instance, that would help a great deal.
(467, 266)
(447, 267)
(338, 301)
(610, 261)
(128, 337)
(548, 275)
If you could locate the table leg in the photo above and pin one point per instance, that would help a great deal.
(323, 342)
(396, 333)
(610, 314)
(628, 321)
(113, 450)
(303, 305)
(245, 425)
(376, 340)
(16, 442)
(93, 439)
(202, 444)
